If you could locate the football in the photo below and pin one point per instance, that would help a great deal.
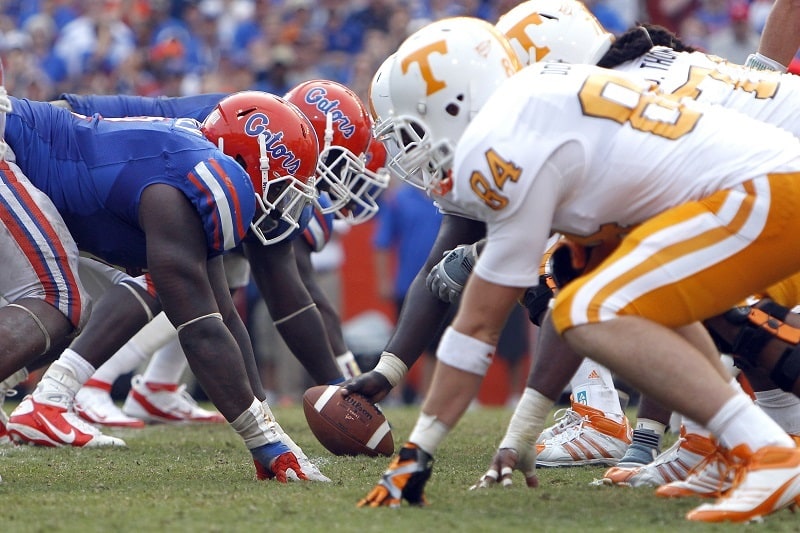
(347, 425)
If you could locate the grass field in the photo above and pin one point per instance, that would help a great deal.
(200, 478)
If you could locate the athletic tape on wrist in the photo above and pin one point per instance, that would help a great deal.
(464, 352)
(761, 62)
(528, 419)
(391, 367)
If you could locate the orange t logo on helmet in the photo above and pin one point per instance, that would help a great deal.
(517, 31)
(421, 56)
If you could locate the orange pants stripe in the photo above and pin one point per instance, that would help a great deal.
(695, 260)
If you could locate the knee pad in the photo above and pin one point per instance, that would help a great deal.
(787, 370)
(758, 325)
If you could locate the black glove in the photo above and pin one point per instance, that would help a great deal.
(404, 480)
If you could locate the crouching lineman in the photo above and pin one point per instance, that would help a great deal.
(697, 228)
(129, 204)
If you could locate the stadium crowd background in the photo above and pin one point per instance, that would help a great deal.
(185, 47)
(180, 47)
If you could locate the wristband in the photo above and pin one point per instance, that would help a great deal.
(760, 62)
(391, 367)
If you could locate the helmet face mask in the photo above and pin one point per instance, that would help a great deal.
(275, 144)
(438, 80)
(367, 186)
(343, 125)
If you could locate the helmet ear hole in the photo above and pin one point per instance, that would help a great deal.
(453, 109)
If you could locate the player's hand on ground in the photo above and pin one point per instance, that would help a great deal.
(285, 468)
(503, 464)
(372, 385)
(404, 480)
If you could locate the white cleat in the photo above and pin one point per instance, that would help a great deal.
(49, 423)
(165, 404)
(95, 405)
(767, 480)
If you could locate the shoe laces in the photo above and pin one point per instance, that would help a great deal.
(729, 469)
(570, 433)
(564, 418)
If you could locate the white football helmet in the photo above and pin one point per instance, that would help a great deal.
(555, 30)
(440, 78)
(380, 102)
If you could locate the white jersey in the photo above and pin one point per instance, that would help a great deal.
(589, 153)
(768, 96)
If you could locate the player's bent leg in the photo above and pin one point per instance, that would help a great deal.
(39, 275)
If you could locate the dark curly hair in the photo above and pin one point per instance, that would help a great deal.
(637, 41)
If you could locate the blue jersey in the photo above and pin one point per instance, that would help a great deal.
(94, 170)
(197, 107)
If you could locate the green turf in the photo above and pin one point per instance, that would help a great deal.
(200, 478)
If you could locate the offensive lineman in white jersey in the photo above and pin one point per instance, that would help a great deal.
(593, 154)
(561, 31)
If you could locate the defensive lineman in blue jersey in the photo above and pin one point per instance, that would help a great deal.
(283, 287)
(97, 189)
(167, 200)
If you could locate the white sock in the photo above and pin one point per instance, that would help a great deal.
(428, 433)
(254, 427)
(651, 425)
(80, 367)
(126, 359)
(593, 385)
(59, 384)
(167, 364)
(694, 428)
(781, 406)
(12, 381)
(155, 334)
(739, 421)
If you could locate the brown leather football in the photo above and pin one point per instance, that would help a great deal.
(347, 425)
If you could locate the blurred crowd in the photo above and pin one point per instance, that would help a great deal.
(181, 47)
